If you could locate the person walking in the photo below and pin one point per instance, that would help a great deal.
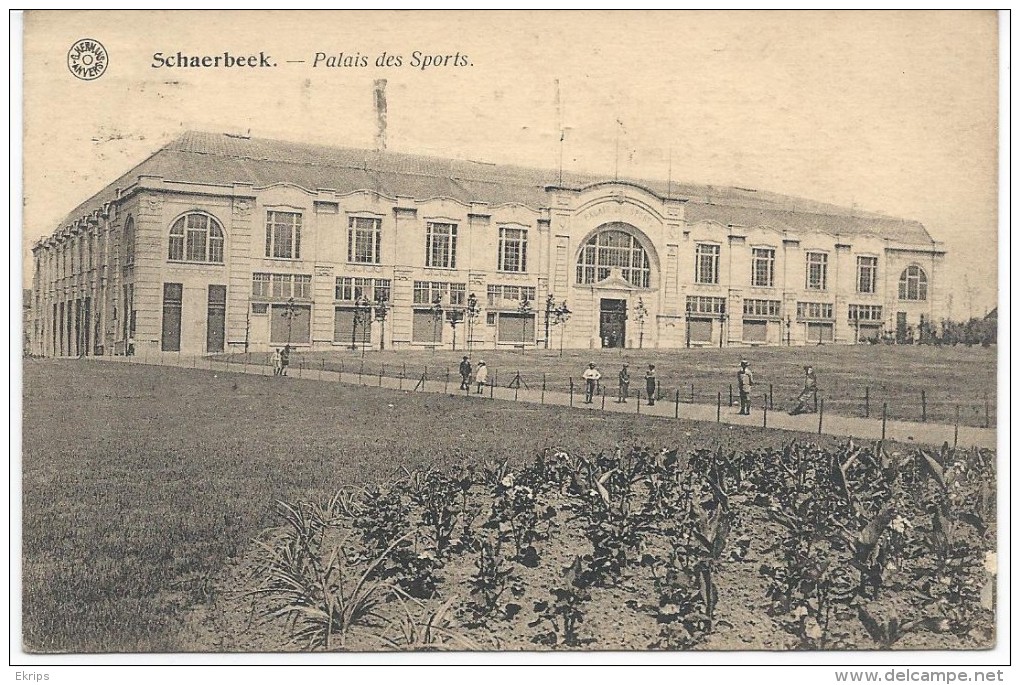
(651, 385)
(277, 360)
(481, 377)
(808, 393)
(591, 377)
(284, 360)
(465, 374)
(745, 379)
(624, 384)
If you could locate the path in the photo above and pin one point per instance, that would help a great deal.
(842, 426)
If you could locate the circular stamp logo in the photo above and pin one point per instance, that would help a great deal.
(87, 59)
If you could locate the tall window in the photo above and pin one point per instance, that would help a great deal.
(867, 274)
(364, 240)
(763, 267)
(817, 267)
(612, 248)
(129, 241)
(196, 238)
(283, 235)
(441, 245)
(913, 284)
(513, 249)
(706, 263)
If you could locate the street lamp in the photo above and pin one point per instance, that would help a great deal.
(290, 313)
(381, 309)
(550, 305)
(524, 307)
(437, 315)
(362, 309)
(472, 316)
(640, 313)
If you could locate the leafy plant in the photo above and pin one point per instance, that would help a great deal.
(564, 613)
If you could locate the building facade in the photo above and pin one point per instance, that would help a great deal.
(225, 243)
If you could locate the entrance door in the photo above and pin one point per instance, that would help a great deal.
(216, 319)
(173, 300)
(901, 327)
(613, 323)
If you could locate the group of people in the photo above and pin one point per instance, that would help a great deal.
(281, 360)
(745, 379)
(592, 377)
(480, 374)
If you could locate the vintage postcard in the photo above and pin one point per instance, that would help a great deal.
(510, 332)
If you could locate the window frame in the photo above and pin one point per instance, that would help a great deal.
(520, 243)
(919, 279)
(707, 254)
(447, 255)
(873, 268)
(179, 246)
(273, 241)
(822, 263)
(598, 256)
(769, 259)
(373, 234)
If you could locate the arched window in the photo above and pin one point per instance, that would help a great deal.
(196, 237)
(129, 241)
(610, 249)
(913, 284)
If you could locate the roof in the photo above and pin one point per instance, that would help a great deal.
(217, 158)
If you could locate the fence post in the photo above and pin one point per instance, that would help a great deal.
(770, 396)
(924, 408)
(867, 402)
(676, 403)
(361, 371)
(400, 378)
(765, 414)
(492, 388)
(639, 401)
(543, 388)
(821, 413)
(988, 421)
(516, 390)
(885, 411)
(571, 392)
(816, 398)
(603, 401)
(382, 372)
(692, 393)
(446, 385)
(956, 427)
(731, 396)
(322, 364)
(718, 407)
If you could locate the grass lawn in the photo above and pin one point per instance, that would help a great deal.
(141, 482)
(896, 375)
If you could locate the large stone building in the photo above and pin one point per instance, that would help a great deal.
(226, 243)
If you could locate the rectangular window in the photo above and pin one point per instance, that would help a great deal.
(441, 245)
(260, 285)
(864, 312)
(807, 311)
(426, 326)
(763, 267)
(513, 248)
(282, 286)
(818, 332)
(763, 308)
(283, 235)
(817, 266)
(756, 331)
(352, 326)
(515, 328)
(452, 294)
(364, 240)
(290, 324)
(509, 296)
(706, 263)
(867, 274)
(196, 233)
(349, 289)
(700, 330)
(706, 305)
(259, 308)
(302, 287)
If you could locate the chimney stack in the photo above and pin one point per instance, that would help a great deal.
(379, 97)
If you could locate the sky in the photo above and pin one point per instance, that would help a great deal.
(884, 111)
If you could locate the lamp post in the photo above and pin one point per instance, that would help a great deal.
(290, 313)
(524, 307)
(455, 317)
(472, 315)
(550, 305)
(381, 309)
(640, 313)
(362, 309)
(788, 322)
(437, 315)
